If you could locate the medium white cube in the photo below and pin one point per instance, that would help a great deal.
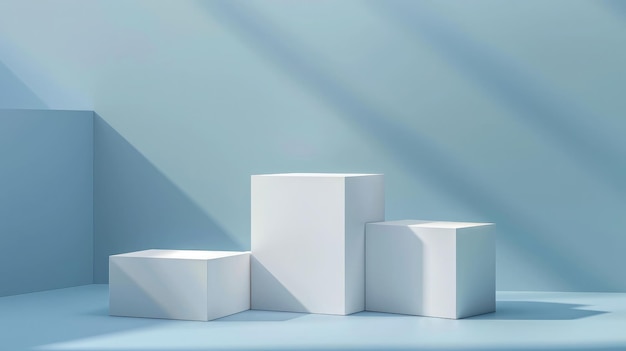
(179, 284)
(428, 268)
(308, 240)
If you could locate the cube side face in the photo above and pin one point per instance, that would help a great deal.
(438, 257)
(365, 202)
(158, 288)
(394, 271)
(228, 285)
(476, 271)
(298, 241)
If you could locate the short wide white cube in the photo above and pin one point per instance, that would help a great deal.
(179, 284)
(428, 268)
(308, 240)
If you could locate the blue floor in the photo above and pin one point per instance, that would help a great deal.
(76, 319)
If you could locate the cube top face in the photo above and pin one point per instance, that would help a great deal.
(432, 224)
(317, 175)
(181, 254)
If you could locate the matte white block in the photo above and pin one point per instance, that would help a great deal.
(427, 268)
(308, 240)
(179, 284)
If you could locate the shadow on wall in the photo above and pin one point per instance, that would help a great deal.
(15, 94)
(419, 155)
(566, 121)
(617, 7)
(136, 207)
(45, 200)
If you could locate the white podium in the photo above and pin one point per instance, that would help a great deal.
(436, 269)
(308, 240)
(179, 284)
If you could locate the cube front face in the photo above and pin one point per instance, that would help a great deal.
(423, 268)
(158, 288)
(439, 288)
(365, 202)
(393, 270)
(308, 240)
(228, 286)
(476, 271)
(143, 284)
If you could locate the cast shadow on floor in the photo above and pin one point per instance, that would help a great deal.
(534, 310)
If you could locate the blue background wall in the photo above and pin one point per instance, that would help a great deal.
(510, 112)
(46, 200)
(15, 94)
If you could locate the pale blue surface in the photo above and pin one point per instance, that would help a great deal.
(14, 93)
(76, 319)
(505, 112)
(46, 200)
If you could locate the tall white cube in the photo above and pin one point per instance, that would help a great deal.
(179, 284)
(428, 268)
(308, 240)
